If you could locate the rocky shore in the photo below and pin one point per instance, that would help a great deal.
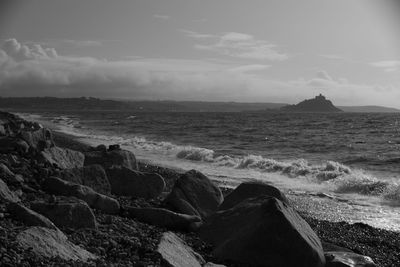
(64, 203)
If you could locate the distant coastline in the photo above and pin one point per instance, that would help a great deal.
(93, 104)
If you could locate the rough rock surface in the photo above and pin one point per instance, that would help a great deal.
(9, 176)
(249, 190)
(263, 231)
(127, 182)
(63, 158)
(6, 194)
(93, 176)
(112, 158)
(195, 194)
(39, 139)
(70, 213)
(164, 218)
(176, 253)
(52, 243)
(347, 259)
(95, 200)
(28, 216)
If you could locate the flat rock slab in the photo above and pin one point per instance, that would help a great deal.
(127, 182)
(72, 213)
(263, 231)
(95, 200)
(52, 243)
(347, 259)
(176, 253)
(6, 194)
(28, 216)
(63, 158)
(164, 218)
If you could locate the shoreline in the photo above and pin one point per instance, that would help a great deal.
(383, 246)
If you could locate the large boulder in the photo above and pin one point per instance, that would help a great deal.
(93, 176)
(195, 194)
(95, 200)
(263, 231)
(251, 189)
(28, 216)
(52, 243)
(6, 195)
(63, 158)
(164, 218)
(40, 139)
(127, 182)
(108, 159)
(347, 259)
(71, 213)
(176, 253)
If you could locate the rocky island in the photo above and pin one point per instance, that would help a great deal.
(65, 203)
(317, 104)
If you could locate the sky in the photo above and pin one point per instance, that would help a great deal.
(207, 50)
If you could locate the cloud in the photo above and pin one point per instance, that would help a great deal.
(238, 45)
(30, 70)
(82, 42)
(333, 57)
(250, 68)
(163, 17)
(22, 52)
(387, 65)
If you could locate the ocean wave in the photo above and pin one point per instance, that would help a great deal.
(343, 178)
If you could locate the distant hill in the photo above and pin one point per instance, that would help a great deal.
(317, 104)
(365, 109)
(91, 103)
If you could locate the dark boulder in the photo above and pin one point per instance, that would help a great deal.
(72, 213)
(112, 158)
(127, 182)
(263, 231)
(93, 176)
(39, 139)
(95, 200)
(164, 218)
(6, 195)
(195, 194)
(10, 144)
(249, 190)
(9, 176)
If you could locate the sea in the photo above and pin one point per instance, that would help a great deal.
(336, 167)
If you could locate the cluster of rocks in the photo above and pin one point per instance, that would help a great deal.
(97, 207)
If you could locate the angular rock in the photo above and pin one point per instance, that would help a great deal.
(95, 200)
(6, 195)
(63, 158)
(28, 216)
(127, 182)
(251, 189)
(93, 176)
(347, 259)
(164, 218)
(9, 176)
(71, 213)
(263, 231)
(112, 158)
(176, 253)
(210, 264)
(195, 194)
(52, 243)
